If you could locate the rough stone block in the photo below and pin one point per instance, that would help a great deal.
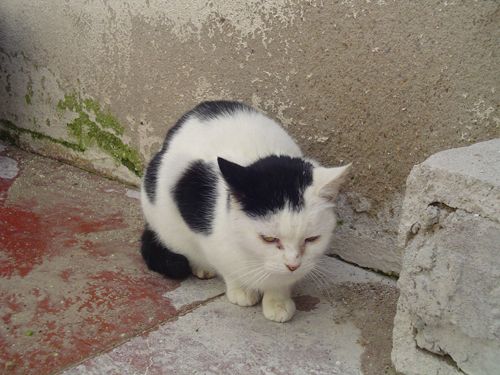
(448, 317)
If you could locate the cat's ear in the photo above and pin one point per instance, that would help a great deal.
(235, 175)
(329, 180)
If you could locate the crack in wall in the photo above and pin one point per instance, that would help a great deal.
(431, 223)
(448, 359)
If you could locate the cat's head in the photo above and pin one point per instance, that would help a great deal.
(282, 212)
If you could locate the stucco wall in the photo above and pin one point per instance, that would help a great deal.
(383, 84)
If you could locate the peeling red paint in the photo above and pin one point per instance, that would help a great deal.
(109, 287)
(23, 241)
(47, 306)
(97, 249)
(81, 224)
(10, 303)
(27, 236)
(64, 294)
(66, 274)
(70, 242)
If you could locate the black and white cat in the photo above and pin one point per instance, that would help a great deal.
(230, 194)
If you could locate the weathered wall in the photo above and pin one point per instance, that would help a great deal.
(380, 83)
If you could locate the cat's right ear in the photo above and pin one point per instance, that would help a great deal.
(329, 180)
(235, 175)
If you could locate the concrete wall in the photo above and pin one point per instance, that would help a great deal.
(380, 83)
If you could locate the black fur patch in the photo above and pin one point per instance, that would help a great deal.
(160, 259)
(151, 176)
(195, 196)
(204, 111)
(214, 109)
(268, 184)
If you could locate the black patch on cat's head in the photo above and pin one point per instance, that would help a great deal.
(195, 196)
(269, 184)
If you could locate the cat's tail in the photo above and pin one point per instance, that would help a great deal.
(160, 259)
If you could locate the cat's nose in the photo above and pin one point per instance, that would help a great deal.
(292, 267)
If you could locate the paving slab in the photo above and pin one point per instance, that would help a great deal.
(76, 298)
(342, 326)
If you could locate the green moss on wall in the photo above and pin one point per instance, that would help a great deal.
(12, 138)
(93, 126)
(107, 120)
(8, 87)
(29, 95)
(10, 133)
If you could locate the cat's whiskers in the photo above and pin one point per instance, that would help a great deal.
(322, 267)
(242, 270)
(319, 285)
(252, 280)
(314, 278)
(246, 268)
(324, 282)
(262, 278)
(323, 272)
(276, 268)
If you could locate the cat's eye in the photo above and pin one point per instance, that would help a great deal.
(269, 239)
(311, 239)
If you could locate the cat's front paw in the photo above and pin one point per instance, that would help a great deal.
(278, 309)
(200, 273)
(242, 297)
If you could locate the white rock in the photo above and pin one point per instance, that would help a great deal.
(448, 317)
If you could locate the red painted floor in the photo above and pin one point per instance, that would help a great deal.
(72, 283)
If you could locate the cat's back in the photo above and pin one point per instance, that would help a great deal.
(187, 162)
(231, 130)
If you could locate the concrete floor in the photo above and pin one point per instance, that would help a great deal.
(75, 297)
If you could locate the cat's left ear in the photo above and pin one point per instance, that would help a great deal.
(236, 176)
(329, 180)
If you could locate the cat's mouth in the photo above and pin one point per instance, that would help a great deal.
(286, 271)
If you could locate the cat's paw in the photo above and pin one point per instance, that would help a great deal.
(203, 274)
(242, 297)
(278, 309)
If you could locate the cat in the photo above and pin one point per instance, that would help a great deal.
(231, 194)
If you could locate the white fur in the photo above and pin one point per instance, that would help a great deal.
(234, 249)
